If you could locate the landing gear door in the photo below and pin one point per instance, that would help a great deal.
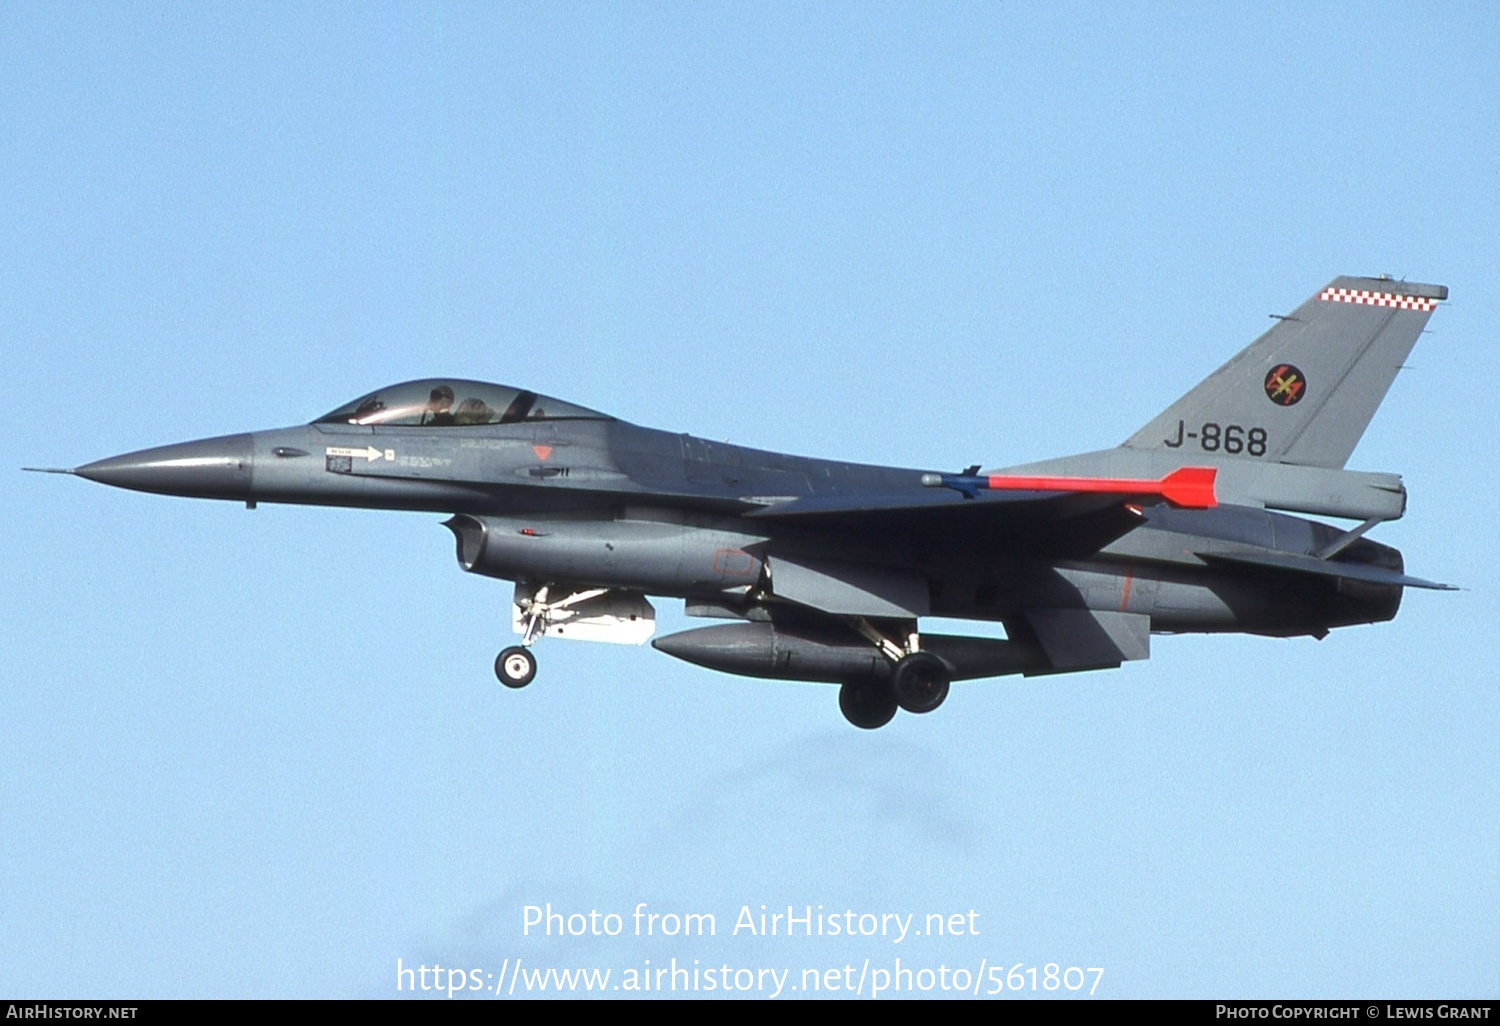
(594, 614)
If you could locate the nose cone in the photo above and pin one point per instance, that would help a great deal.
(214, 468)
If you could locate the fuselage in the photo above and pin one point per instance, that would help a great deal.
(603, 502)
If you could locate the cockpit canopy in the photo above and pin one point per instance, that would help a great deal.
(453, 402)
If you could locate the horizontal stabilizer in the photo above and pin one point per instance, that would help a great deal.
(1295, 563)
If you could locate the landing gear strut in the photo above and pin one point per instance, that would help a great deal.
(515, 667)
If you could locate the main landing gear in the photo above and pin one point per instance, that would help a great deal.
(867, 704)
(918, 682)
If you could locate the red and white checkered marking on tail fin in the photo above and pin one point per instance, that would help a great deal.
(1379, 299)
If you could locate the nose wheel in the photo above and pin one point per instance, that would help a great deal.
(515, 667)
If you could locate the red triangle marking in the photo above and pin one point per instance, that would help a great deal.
(542, 452)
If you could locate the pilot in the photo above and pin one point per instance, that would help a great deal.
(473, 411)
(439, 412)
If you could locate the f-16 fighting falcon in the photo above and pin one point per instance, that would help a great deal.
(823, 570)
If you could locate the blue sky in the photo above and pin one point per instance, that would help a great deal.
(261, 753)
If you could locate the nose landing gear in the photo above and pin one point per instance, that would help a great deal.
(583, 613)
(515, 667)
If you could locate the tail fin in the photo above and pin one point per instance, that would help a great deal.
(1305, 391)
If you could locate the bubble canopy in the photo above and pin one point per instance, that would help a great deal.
(453, 402)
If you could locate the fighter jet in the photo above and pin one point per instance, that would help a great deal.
(823, 570)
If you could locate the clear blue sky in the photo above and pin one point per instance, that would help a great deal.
(262, 754)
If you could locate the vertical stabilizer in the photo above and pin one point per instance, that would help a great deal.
(1305, 391)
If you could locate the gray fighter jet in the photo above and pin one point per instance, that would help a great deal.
(824, 569)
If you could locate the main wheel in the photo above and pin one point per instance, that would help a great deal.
(920, 682)
(515, 667)
(867, 705)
